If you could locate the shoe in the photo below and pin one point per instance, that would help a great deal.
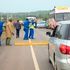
(32, 38)
(25, 39)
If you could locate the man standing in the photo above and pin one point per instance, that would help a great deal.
(26, 29)
(1, 30)
(31, 26)
(18, 27)
(9, 31)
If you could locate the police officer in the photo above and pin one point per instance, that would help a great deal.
(1, 30)
(31, 35)
(26, 29)
(18, 27)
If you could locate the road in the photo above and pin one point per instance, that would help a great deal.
(26, 57)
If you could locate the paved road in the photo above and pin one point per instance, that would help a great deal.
(29, 57)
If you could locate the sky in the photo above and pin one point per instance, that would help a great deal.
(30, 5)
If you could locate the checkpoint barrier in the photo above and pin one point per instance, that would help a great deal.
(35, 43)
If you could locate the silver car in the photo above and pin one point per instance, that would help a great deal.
(59, 46)
(41, 24)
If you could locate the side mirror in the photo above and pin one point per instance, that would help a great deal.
(48, 33)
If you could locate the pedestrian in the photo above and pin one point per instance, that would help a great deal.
(26, 28)
(31, 26)
(1, 30)
(18, 27)
(9, 31)
(35, 23)
(52, 23)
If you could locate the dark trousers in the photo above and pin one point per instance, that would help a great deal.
(0, 36)
(17, 33)
(26, 33)
(8, 41)
(35, 25)
(31, 35)
(0, 40)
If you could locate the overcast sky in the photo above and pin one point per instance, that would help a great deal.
(30, 5)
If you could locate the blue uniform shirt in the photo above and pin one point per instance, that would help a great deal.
(1, 25)
(26, 24)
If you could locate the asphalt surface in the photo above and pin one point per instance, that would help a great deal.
(31, 57)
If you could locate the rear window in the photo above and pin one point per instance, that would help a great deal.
(63, 31)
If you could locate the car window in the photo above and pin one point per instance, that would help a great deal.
(63, 32)
(59, 16)
(69, 33)
(62, 16)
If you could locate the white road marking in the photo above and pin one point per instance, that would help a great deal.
(34, 57)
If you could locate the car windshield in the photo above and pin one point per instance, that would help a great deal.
(62, 16)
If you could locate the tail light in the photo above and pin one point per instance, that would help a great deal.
(64, 49)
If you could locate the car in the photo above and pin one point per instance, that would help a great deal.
(41, 24)
(59, 46)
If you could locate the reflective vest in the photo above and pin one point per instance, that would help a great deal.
(31, 26)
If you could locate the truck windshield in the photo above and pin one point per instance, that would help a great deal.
(62, 16)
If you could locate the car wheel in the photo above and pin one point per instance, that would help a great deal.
(49, 55)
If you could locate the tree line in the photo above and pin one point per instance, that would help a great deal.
(22, 15)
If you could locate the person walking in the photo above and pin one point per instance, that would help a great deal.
(18, 27)
(9, 31)
(1, 30)
(26, 29)
(35, 23)
(31, 26)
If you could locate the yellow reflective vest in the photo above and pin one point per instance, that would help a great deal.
(31, 26)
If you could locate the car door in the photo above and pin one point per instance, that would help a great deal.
(68, 45)
(52, 44)
(51, 48)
